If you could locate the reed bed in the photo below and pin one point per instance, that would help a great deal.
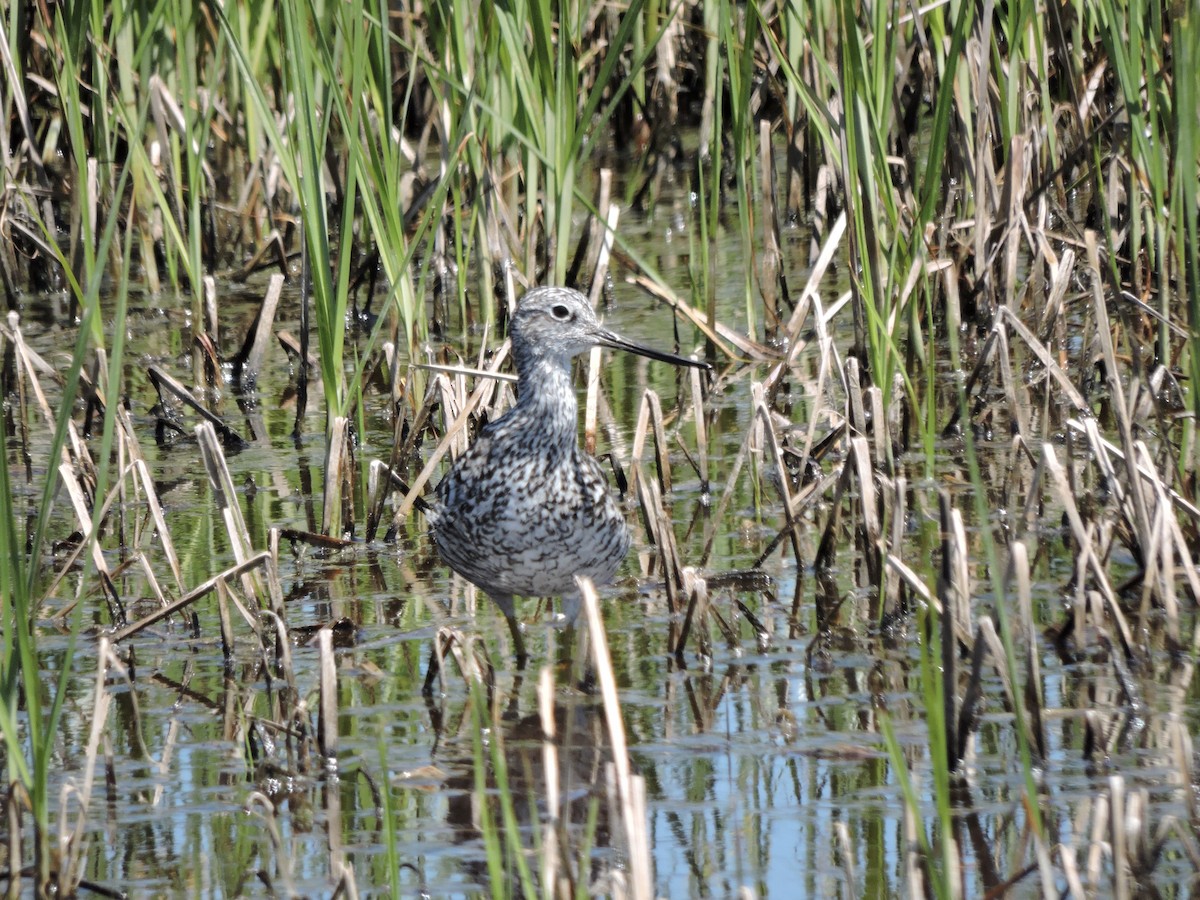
(963, 332)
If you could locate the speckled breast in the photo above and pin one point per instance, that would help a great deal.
(530, 532)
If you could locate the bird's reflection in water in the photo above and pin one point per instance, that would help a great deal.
(564, 808)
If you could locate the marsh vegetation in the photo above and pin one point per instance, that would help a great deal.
(912, 607)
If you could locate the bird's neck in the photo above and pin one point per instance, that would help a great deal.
(546, 399)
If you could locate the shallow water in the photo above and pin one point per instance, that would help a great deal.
(753, 757)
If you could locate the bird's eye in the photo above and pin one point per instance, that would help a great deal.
(561, 312)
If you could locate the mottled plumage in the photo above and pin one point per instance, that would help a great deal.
(524, 510)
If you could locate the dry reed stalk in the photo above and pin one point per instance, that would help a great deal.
(211, 331)
(913, 868)
(809, 295)
(856, 410)
(337, 502)
(1046, 358)
(455, 432)
(723, 338)
(701, 432)
(72, 841)
(1087, 557)
(142, 471)
(1184, 772)
(79, 500)
(827, 545)
(603, 244)
(1140, 518)
(846, 850)
(292, 710)
(274, 587)
(731, 482)
(225, 498)
(397, 387)
(123, 488)
(227, 639)
(1173, 544)
(29, 364)
(918, 270)
(16, 799)
(151, 579)
(1097, 842)
(1061, 272)
(1033, 498)
(341, 872)
(298, 750)
(164, 384)
(873, 548)
(1045, 866)
(696, 591)
(1018, 406)
(1012, 204)
(265, 252)
(259, 804)
(891, 575)
(1103, 448)
(968, 708)
(950, 588)
(465, 650)
(380, 480)
(830, 366)
(1145, 840)
(988, 636)
(253, 619)
(248, 363)
(915, 584)
(327, 712)
(404, 444)
(630, 788)
(951, 299)
(1069, 865)
(1158, 575)
(453, 393)
(881, 438)
(662, 537)
(772, 283)
(90, 209)
(195, 594)
(294, 349)
(662, 456)
(550, 852)
(801, 502)
(600, 243)
(1119, 838)
(16, 92)
(1018, 572)
(961, 569)
(765, 420)
(641, 429)
(1022, 462)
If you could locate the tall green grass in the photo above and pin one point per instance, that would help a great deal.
(31, 699)
(525, 86)
(1185, 192)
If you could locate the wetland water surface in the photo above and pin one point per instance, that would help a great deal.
(766, 769)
